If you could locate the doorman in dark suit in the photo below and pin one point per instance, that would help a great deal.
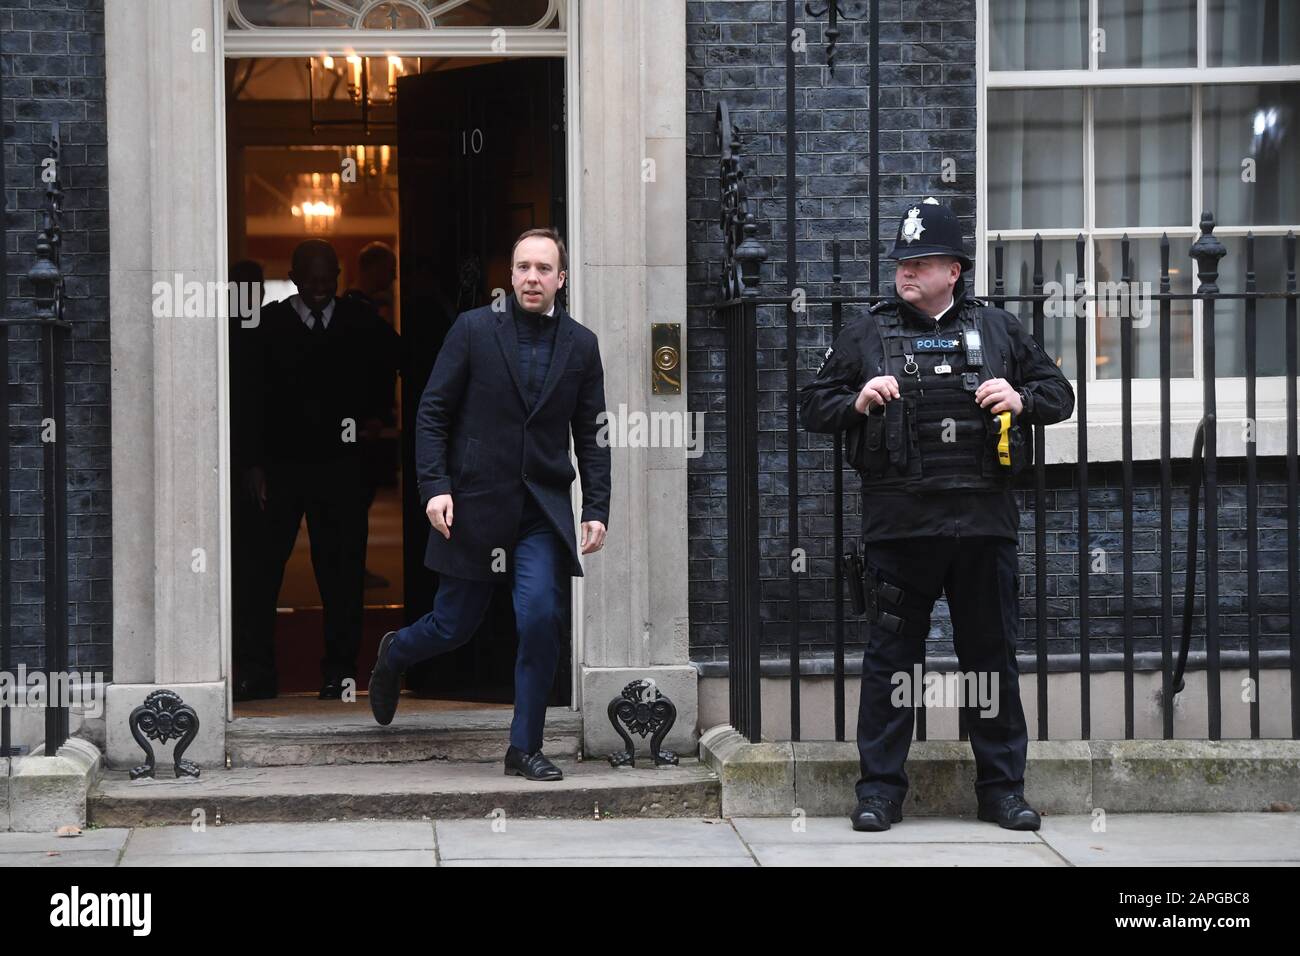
(510, 384)
(376, 273)
(321, 366)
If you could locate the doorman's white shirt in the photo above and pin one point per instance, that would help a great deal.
(304, 313)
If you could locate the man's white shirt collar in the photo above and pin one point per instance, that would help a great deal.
(951, 302)
(304, 313)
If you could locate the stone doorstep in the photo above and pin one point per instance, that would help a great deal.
(433, 789)
(461, 735)
(1066, 776)
(41, 794)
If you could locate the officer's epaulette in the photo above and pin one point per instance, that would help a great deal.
(882, 304)
(983, 303)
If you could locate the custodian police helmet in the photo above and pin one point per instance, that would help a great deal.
(930, 229)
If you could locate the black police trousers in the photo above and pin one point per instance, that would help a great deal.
(978, 575)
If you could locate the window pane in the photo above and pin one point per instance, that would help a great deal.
(1259, 123)
(1146, 33)
(1059, 267)
(1035, 176)
(1254, 32)
(1143, 267)
(1038, 34)
(1230, 315)
(1143, 150)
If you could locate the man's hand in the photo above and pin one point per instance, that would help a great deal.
(879, 390)
(439, 511)
(593, 536)
(998, 393)
(255, 485)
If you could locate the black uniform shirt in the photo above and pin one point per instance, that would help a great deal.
(826, 405)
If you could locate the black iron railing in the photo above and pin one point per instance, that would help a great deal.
(46, 278)
(741, 317)
(740, 303)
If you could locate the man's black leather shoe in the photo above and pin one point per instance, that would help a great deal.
(385, 684)
(246, 689)
(534, 766)
(332, 689)
(874, 813)
(1011, 813)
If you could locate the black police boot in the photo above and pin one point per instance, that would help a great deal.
(1011, 813)
(874, 813)
(385, 684)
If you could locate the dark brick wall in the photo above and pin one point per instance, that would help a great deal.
(736, 51)
(1105, 525)
(52, 69)
(927, 112)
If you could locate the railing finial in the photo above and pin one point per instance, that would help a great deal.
(744, 254)
(1207, 250)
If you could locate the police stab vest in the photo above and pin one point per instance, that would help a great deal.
(935, 436)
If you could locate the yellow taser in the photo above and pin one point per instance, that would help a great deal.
(1004, 439)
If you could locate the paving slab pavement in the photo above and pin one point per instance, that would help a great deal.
(1140, 839)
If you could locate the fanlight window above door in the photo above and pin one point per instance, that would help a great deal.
(392, 14)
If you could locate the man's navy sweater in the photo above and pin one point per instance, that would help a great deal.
(536, 335)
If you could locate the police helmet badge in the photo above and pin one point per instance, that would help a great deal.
(912, 226)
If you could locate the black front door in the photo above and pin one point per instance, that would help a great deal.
(481, 153)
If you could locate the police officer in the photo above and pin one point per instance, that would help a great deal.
(937, 393)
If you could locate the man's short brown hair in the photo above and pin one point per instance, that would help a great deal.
(544, 232)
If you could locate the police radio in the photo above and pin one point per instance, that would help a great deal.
(974, 349)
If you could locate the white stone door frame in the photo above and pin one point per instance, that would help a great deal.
(165, 80)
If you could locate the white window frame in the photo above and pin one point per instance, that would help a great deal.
(1104, 411)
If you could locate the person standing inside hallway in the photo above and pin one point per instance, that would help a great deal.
(317, 360)
(938, 393)
(509, 387)
(376, 274)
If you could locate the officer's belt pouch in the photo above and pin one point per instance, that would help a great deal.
(865, 443)
(1022, 448)
(855, 440)
(853, 574)
(896, 433)
(893, 608)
